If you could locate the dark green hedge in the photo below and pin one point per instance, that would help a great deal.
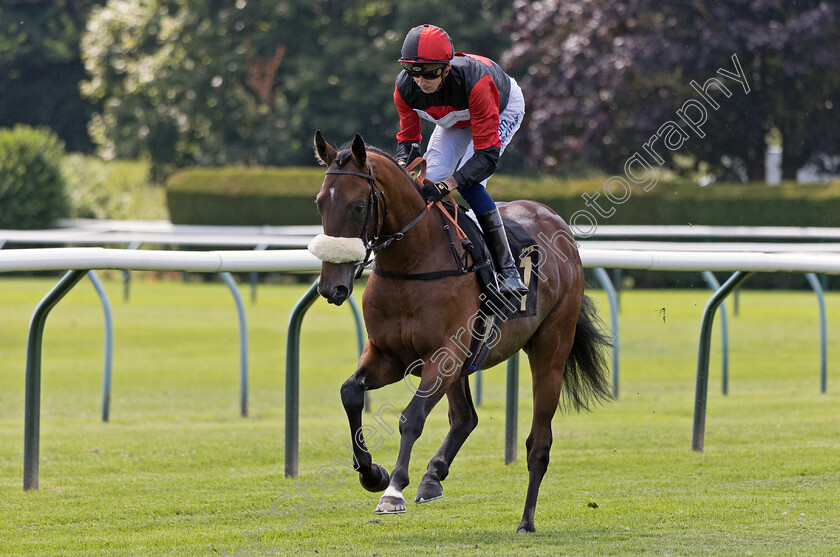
(283, 196)
(32, 187)
(244, 196)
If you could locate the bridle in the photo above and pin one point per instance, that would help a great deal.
(377, 207)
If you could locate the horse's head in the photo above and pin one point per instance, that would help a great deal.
(349, 206)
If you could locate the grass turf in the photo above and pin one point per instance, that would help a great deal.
(178, 472)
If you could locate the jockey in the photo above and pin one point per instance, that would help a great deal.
(476, 108)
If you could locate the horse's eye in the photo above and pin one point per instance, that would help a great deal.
(358, 208)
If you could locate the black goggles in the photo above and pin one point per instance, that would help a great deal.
(426, 71)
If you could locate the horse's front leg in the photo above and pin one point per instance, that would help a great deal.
(431, 389)
(462, 420)
(375, 370)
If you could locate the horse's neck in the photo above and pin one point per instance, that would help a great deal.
(420, 247)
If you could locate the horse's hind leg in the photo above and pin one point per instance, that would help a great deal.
(547, 354)
(462, 420)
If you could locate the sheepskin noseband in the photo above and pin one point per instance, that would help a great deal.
(333, 249)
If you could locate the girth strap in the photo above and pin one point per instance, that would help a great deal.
(419, 276)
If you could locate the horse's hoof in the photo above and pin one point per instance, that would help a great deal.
(381, 484)
(525, 528)
(392, 503)
(428, 491)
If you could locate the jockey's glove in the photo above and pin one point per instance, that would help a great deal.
(407, 152)
(435, 192)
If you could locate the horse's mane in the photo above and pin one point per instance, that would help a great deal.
(381, 152)
(344, 154)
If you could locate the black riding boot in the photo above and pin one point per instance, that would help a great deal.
(494, 233)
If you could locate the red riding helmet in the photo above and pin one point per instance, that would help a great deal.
(427, 44)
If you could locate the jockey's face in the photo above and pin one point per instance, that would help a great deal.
(430, 85)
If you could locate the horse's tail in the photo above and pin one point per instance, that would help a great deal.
(586, 378)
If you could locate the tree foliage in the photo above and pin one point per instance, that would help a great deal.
(40, 67)
(196, 82)
(603, 75)
(193, 82)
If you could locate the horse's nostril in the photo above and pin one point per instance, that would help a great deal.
(339, 294)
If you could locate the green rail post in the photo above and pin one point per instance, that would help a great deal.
(512, 408)
(228, 279)
(253, 277)
(612, 297)
(818, 290)
(32, 413)
(702, 387)
(109, 344)
(616, 281)
(293, 378)
(713, 284)
(126, 275)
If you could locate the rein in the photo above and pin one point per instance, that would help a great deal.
(378, 205)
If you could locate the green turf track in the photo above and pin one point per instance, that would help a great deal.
(178, 472)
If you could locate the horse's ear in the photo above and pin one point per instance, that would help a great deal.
(358, 148)
(324, 152)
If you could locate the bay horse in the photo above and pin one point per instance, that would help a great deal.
(370, 205)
